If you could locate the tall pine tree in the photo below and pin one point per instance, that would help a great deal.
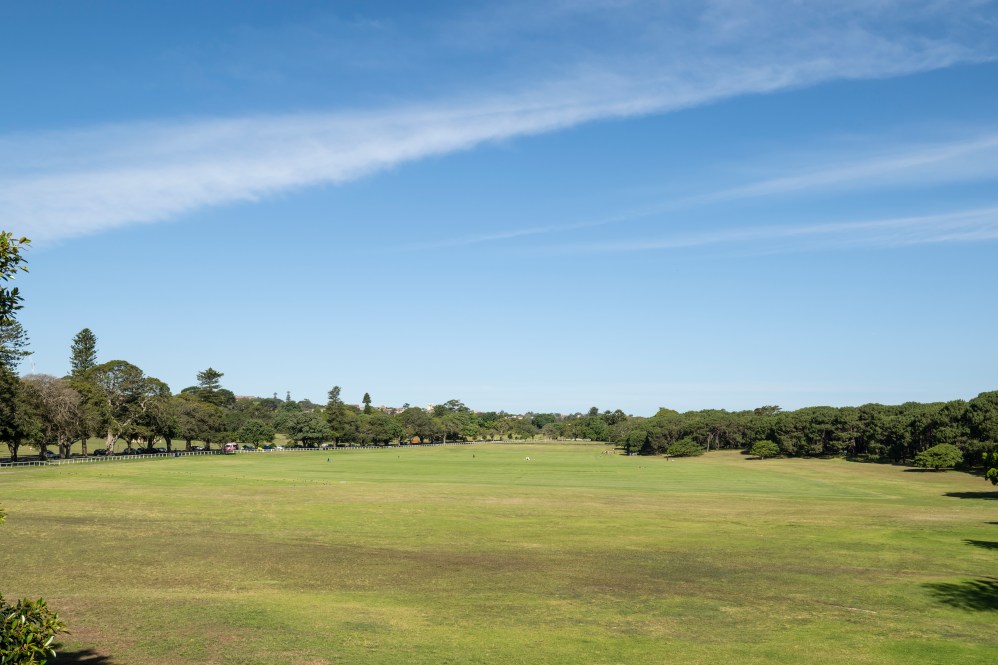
(13, 344)
(210, 380)
(83, 352)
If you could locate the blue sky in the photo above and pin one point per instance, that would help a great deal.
(524, 205)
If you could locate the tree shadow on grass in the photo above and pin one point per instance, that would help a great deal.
(986, 544)
(980, 595)
(82, 657)
(973, 495)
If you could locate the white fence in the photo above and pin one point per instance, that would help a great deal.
(104, 459)
(394, 446)
(187, 453)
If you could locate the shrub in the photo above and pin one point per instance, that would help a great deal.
(764, 449)
(685, 448)
(27, 630)
(991, 467)
(938, 457)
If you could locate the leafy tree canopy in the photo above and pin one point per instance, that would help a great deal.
(13, 344)
(764, 448)
(12, 261)
(685, 448)
(256, 432)
(943, 455)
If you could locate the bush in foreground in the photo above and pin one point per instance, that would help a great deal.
(685, 448)
(938, 457)
(27, 629)
(764, 449)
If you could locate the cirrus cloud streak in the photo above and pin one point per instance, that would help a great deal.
(63, 184)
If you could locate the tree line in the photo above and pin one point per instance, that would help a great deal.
(116, 401)
(875, 432)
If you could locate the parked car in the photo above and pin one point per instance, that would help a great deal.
(100, 452)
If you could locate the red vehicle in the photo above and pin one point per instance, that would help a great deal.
(231, 448)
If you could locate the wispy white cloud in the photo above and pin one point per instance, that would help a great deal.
(955, 161)
(906, 166)
(66, 184)
(962, 226)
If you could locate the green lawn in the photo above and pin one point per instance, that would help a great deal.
(470, 554)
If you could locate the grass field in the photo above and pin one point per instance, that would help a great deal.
(470, 554)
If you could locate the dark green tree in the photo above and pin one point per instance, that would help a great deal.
(451, 405)
(197, 420)
(58, 406)
(367, 403)
(452, 424)
(635, 441)
(91, 410)
(982, 415)
(614, 417)
(522, 428)
(685, 448)
(308, 428)
(13, 345)
(256, 432)
(210, 380)
(19, 421)
(941, 456)
(12, 261)
(991, 467)
(337, 415)
(416, 423)
(83, 353)
(209, 389)
(161, 419)
(764, 448)
(539, 420)
(593, 427)
(124, 393)
(380, 428)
